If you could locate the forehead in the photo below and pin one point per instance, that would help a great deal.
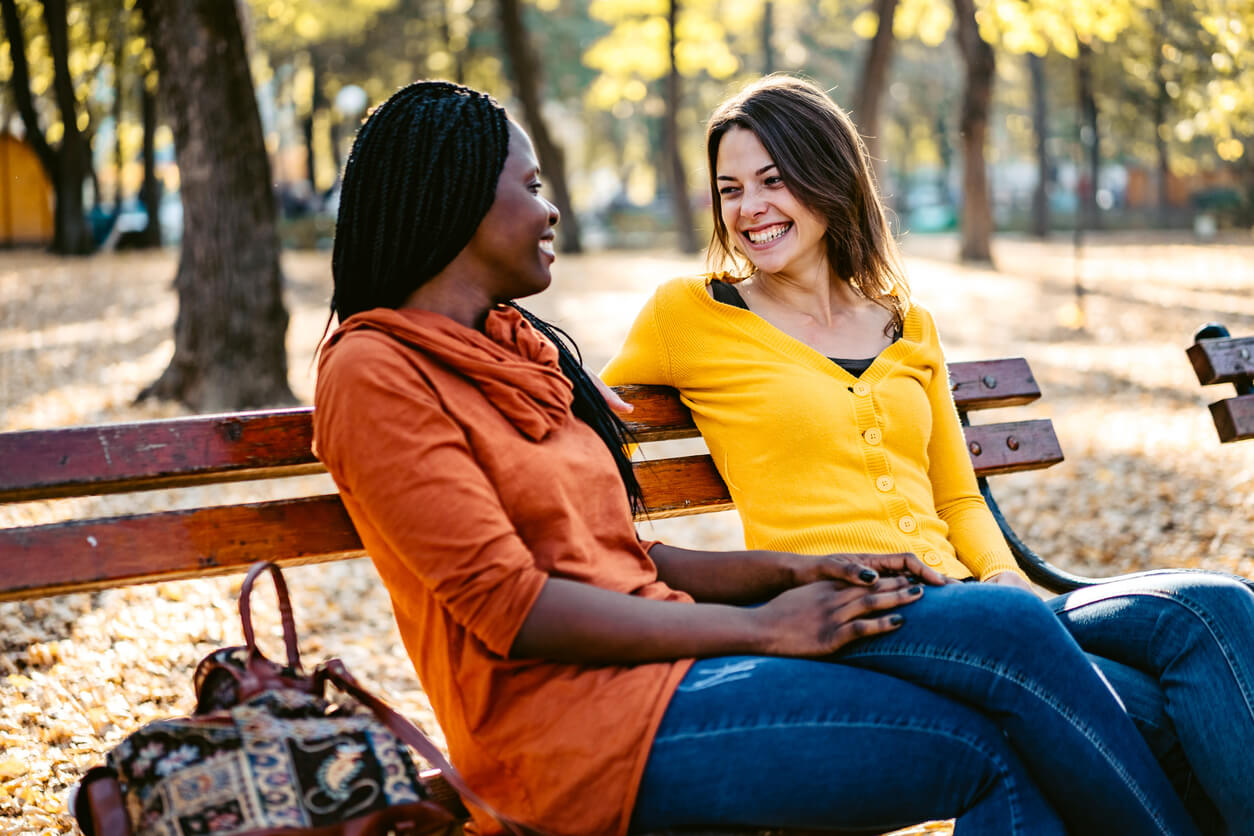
(739, 149)
(522, 156)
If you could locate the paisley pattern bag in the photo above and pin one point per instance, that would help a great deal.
(265, 751)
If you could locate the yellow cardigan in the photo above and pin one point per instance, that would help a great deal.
(818, 461)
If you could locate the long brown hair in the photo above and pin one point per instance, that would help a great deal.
(824, 163)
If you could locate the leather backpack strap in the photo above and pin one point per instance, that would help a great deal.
(333, 670)
(99, 806)
(285, 612)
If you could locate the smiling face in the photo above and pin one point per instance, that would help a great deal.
(765, 221)
(513, 244)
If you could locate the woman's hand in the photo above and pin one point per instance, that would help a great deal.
(615, 403)
(1008, 578)
(862, 569)
(820, 618)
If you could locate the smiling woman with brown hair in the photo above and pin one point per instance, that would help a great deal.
(588, 683)
(821, 389)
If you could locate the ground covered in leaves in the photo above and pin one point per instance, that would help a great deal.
(1145, 483)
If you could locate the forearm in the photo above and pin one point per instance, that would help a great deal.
(577, 622)
(725, 577)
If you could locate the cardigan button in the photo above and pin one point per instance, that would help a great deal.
(884, 483)
(907, 524)
(873, 436)
(861, 389)
(932, 559)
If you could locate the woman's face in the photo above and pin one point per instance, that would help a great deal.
(774, 230)
(513, 244)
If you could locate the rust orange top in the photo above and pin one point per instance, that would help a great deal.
(471, 483)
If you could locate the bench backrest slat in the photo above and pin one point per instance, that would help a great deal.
(95, 554)
(1225, 360)
(1234, 418)
(202, 449)
(87, 461)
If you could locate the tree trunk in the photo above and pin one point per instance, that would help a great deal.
(229, 350)
(150, 189)
(1090, 217)
(20, 84)
(526, 72)
(71, 233)
(873, 79)
(677, 174)
(977, 212)
(1040, 127)
(768, 35)
(1161, 103)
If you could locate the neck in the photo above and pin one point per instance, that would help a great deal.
(823, 297)
(461, 301)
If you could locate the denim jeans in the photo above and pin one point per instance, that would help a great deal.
(980, 707)
(1178, 648)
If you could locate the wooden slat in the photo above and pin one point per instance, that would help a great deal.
(682, 485)
(659, 415)
(1222, 360)
(95, 554)
(986, 384)
(1013, 446)
(176, 452)
(1234, 418)
(115, 458)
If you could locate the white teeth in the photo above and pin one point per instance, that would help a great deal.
(764, 236)
(546, 246)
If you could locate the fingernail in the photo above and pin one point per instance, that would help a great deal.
(916, 590)
(896, 619)
(867, 576)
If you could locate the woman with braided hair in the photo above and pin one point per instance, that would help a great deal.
(590, 683)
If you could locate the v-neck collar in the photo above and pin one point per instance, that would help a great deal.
(759, 329)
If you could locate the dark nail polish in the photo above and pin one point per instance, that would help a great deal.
(896, 619)
(867, 576)
(916, 590)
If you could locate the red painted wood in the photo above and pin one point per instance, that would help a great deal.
(680, 486)
(113, 458)
(94, 554)
(1234, 418)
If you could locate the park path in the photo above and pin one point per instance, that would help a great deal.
(1145, 482)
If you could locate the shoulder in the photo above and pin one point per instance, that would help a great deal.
(919, 326)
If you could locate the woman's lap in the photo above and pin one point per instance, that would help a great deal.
(1190, 636)
(997, 649)
(764, 741)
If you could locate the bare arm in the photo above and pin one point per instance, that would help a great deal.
(750, 576)
(577, 622)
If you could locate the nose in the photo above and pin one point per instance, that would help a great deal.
(752, 204)
(554, 214)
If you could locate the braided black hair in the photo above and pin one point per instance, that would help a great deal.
(421, 175)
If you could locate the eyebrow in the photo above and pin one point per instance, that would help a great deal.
(763, 170)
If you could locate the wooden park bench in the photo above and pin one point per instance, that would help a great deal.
(91, 554)
(1218, 357)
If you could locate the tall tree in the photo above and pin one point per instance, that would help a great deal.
(1040, 132)
(676, 172)
(527, 85)
(229, 350)
(873, 79)
(67, 165)
(976, 227)
(1086, 102)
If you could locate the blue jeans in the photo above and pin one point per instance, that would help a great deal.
(979, 708)
(1178, 648)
